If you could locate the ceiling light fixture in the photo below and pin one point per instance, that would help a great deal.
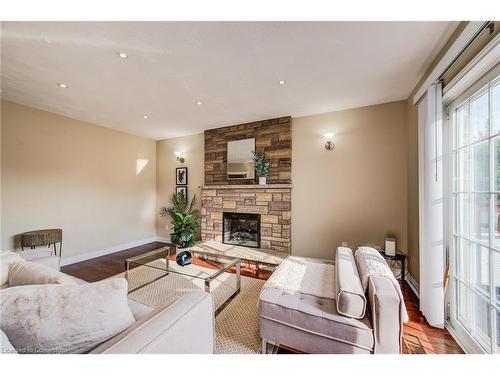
(282, 82)
(145, 117)
(62, 85)
(199, 103)
(122, 55)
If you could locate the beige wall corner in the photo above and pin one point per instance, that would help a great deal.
(356, 192)
(412, 158)
(193, 150)
(97, 184)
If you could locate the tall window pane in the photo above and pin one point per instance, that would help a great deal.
(496, 279)
(463, 170)
(495, 108)
(463, 304)
(496, 223)
(464, 215)
(481, 265)
(482, 322)
(496, 160)
(481, 218)
(463, 252)
(479, 117)
(481, 166)
(462, 125)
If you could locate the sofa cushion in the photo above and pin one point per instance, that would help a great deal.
(6, 258)
(317, 317)
(351, 300)
(30, 273)
(304, 275)
(64, 318)
(5, 345)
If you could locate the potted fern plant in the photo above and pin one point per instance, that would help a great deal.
(261, 167)
(184, 220)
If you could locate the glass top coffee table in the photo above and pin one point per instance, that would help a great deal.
(158, 272)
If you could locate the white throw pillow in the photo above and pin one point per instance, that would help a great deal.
(5, 345)
(371, 263)
(6, 258)
(29, 273)
(64, 318)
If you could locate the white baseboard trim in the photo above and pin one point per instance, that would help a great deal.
(413, 285)
(163, 239)
(106, 251)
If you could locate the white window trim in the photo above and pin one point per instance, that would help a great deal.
(474, 70)
(456, 48)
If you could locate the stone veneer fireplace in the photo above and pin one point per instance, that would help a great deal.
(271, 202)
(273, 138)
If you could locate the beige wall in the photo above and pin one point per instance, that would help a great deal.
(356, 192)
(83, 178)
(412, 158)
(192, 148)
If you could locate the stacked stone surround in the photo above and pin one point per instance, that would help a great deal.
(272, 202)
(273, 138)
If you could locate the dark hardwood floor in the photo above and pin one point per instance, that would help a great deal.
(418, 336)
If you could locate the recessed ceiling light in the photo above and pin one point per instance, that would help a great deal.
(62, 85)
(122, 55)
(145, 117)
(282, 82)
(199, 103)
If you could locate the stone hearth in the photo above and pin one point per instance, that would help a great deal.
(272, 202)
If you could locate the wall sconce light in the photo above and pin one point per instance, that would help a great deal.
(329, 145)
(179, 157)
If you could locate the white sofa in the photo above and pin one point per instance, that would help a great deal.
(184, 326)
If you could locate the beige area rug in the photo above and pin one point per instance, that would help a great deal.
(237, 325)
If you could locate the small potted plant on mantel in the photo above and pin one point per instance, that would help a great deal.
(261, 167)
(184, 221)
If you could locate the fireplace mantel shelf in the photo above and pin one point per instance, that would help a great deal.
(269, 186)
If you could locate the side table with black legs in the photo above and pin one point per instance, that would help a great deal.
(42, 237)
(398, 258)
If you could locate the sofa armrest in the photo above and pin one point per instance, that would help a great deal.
(385, 310)
(185, 326)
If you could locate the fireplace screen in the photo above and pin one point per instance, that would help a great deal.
(241, 229)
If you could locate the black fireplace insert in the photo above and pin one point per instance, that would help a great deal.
(241, 229)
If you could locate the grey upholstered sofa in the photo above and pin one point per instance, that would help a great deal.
(185, 326)
(370, 322)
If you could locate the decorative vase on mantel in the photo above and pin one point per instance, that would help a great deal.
(263, 180)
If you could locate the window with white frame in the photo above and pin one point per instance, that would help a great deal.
(475, 242)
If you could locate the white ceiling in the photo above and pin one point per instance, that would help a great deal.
(233, 68)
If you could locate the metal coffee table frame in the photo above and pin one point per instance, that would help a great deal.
(236, 262)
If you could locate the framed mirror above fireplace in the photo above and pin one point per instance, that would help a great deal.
(240, 165)
(241, 229)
